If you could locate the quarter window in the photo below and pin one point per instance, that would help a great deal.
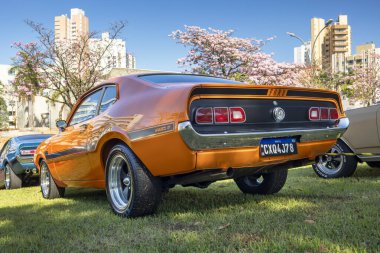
(87, 109)
(108, 99)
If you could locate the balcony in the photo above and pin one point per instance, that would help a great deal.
(340, 50)
(340, 38)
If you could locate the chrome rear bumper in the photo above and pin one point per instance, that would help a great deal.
(197, 141)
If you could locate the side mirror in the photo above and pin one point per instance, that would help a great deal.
(61, 124)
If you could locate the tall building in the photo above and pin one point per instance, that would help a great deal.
(316, 39)
(72, 28)
(333, 44)
(364, 55)
(131, 61)
(337, 45)
(302, 54)
(115, 55)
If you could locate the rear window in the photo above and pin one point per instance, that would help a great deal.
(173, 78)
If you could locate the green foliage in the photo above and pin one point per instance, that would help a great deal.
(309, 214)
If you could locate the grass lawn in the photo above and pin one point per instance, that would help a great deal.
(309, 215)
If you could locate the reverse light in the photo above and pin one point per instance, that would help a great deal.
(221, 115)
(27, 151)
(314, 113)
(237, 115)
(204, 116)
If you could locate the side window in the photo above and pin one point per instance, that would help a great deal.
(87, 109)
(108, 99)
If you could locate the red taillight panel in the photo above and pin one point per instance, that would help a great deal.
(324, 113)
(27, 151)
(221, 115)
(237, 115)
(314, 113)
(334, 113)
(204, 116)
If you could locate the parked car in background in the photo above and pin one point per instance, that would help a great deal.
(16, 160)
(138, 135)
(361, 143)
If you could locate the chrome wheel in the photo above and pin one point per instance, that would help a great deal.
(120, 182)
(329, 164)
(7, 176)
(255, 180)
(45, 179)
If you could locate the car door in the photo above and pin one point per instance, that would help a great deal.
(69, 149)
(362, 133)
(100, 126)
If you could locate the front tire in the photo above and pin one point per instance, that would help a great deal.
(131, 190)
(12, 181)
(49, 188)
(336, 166)
(268, 183)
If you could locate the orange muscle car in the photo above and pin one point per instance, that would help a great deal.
(139, 135)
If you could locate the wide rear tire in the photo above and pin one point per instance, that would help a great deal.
(12, 180)
(266, 183)
(49, 188)
(131, 190)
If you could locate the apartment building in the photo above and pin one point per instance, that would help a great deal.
(332, 43)
(364, 55)
(302, 54)
(73, 28)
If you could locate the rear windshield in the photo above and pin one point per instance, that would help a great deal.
(165, 78)
(33, 137)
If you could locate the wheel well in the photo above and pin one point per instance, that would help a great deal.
(107, 148)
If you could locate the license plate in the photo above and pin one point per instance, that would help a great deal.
(278, 146)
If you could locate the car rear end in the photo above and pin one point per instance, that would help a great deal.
(241, 126)
(26, 146)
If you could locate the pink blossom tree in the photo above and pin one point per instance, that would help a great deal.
(218, 53)
(66, 69)
(366, 80)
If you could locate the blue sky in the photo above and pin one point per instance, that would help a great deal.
(150, 22)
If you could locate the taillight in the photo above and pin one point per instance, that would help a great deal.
(237, 115)
(323, 113)
(314, 113)
(221, 115)
(27, 151)
(204, 116)
(334, 113)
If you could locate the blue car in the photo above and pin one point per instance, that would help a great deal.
(16, 160)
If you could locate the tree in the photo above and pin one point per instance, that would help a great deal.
(218, 53)
(67, 69)
(3, 108)
(366, 80)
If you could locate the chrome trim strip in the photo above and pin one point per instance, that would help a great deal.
(369, 158)
(197, 141)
